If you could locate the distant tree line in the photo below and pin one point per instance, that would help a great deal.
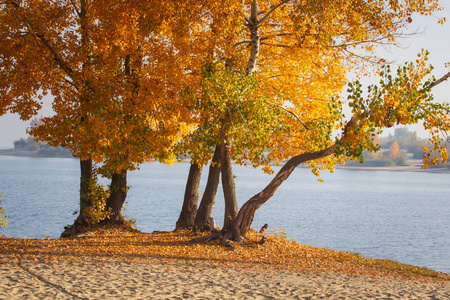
(396, 149)
(42, 148)
(407, 140)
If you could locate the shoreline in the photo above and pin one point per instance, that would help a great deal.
(409, 168)
(29, 153)
(132, 265)
(416, 166)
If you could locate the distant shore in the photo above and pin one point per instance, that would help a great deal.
(408, 168)
(414, 166)
(24, 152)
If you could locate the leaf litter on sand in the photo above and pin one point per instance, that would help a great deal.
(119, 245)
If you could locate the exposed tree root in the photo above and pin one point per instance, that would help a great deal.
(227, 237)
(81, 226)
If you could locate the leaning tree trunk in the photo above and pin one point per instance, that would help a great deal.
(116, 199)
(241, 224)
(191, 194)
(202, 220)
(85, 194)
(228, 185)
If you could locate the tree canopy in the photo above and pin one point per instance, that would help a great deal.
(149, 80)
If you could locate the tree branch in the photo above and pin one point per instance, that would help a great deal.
(272, 10)
(61, 63)
(439, 81)
(290, 112)
(76, 8)
(35, 31)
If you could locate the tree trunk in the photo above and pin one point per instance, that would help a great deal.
(85, 184)
(116, 199)
(202, 221)
(241, 224)
(85, 201)
(253, 25)
(228, 185)
(191, 194)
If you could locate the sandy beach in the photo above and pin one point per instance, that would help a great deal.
(101, 279)
(124, 265)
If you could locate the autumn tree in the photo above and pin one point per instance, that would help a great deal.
(247, 113)
(219, 89)
(300, 52)
(111, 68)
(39, 57)
(394, 150)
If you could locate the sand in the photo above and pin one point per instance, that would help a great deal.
(93, 278)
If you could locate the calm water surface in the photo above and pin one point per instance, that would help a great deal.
(403, 216)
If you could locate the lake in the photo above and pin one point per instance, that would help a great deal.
(404, 216)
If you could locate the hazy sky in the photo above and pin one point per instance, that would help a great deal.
(435, 38)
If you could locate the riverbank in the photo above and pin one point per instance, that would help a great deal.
(414, 165)
(24, 152)
(126, 265)
(407, 168)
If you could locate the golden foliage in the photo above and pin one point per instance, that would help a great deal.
(116, 69)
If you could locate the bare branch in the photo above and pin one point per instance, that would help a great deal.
(272, 10)
(439, 81)
(290, 112)
(241, 43)
(76, 8)
(276, 45)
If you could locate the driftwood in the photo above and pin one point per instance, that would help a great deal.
(263, 240)
(263, 229)
(207, 238)
(224, 235)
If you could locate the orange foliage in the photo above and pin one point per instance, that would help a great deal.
(116, 70)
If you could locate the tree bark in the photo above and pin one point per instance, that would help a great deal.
(253, 26)
(116, 199)
(85, 201)
(85, 184)
(228, 185)
(191, 194)
(241, 224)
(202, 222)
